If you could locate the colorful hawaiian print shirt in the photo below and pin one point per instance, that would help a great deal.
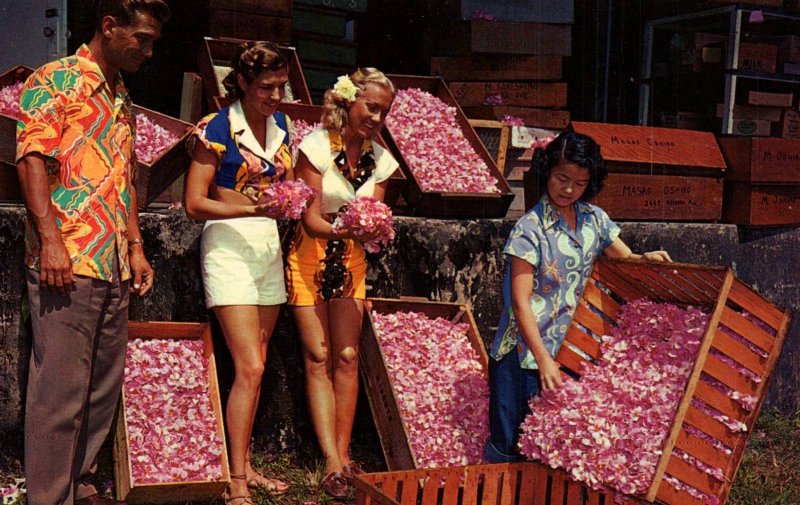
(563, 261)
(243, 165)
(84, 126)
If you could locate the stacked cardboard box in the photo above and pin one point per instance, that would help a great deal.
(324, 33)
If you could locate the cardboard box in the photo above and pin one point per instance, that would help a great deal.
(753, 112)
(450, 205)
(751, 127)
(727, 299)
(501, 67)
(528, 483)
(758, 57)
(762, 160)
(382, 399)
(516, 93)
(762, 204)
(770, 99)
(215, 58)
(173, 492)
(790, 125)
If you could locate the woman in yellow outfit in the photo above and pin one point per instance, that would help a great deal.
(326, 272)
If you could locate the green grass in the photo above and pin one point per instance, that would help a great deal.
(769, 473)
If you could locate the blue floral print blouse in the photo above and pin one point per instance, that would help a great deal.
(563, 261)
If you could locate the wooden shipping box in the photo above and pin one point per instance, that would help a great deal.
(463, 38)
(9, 183)
(125, 487)
(500, 67)
(743, 111)
(215, 58)
(770, 99)
(731, 332)
(761, 160)
(761, 204)
(282, 8)
(339, 25)
(540, 118)
(657, 174)
(539, 11)
(518, 93)
(528, 483)
(494, 136)
(382, 399)
(790, 125)
(345, 5)
(249, 26)
(751, 127)
(450, 205)
(789, 50)
(758, 57)
(312, 113)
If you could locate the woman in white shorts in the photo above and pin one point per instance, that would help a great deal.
(237, 153)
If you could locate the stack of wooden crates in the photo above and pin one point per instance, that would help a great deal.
(251, 19)
(324, 33)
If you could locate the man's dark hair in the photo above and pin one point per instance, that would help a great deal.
(124, 11)
(574, 148)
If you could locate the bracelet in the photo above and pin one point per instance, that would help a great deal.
(134, 242)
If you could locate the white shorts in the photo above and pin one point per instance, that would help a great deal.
(241, 262)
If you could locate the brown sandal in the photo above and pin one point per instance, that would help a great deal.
(274, 487)
(351, 470)
(236, 500)
(335, 485)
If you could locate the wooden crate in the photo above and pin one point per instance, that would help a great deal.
(540, 11)
(382, 400)
(761, 204)
(9, 183)
(462, 38)
(154, 178)
(494, 136)
(281, 8)
(528, 483)
(541, 118)
(344, 5)
(718, 291)
(312, 113)
(326, 22)
(246, 25)
(450, 205)
(215, 58)
(515, 93)
(761, 160)
(501, 67)
(128, 490)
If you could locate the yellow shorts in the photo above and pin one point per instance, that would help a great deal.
(318, 269)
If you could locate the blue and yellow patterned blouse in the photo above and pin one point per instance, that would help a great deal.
(243, 165)
(563, 261)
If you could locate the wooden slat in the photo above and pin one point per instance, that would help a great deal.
(702, 450)
(707, 282)
(593, 497)
(668, 494)
(717, 399)
(558, 482)
(751, 301)
(710, 426)
(509, 485)
(618, 285)
(451, 487)
(584, 342)
(471, 487)
(491, 481)
(600, 300)
(741, 326)
(673, 278)
(654, 283)
(570, 359)
(728, 376)
(626, 271)
(165, 330)
(410, 490)
(739, 352)
(430, 491)
(693, 476)
(574, 493)
(540, 489)
(591, 320)
(527, 487)
(389, 486)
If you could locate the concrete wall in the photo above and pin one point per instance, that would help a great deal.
(441, 260)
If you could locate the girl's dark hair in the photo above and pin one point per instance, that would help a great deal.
(251, 59)
(572, 148)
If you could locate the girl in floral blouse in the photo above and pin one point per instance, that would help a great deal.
(551, 251)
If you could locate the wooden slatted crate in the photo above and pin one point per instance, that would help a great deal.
(744, 328)
(9, 183)
(312, 113)
(450, 205)
(172, 492)
(382, 400)
(528, 483)
(214, 60)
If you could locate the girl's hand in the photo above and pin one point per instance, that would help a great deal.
(657, 256)
(269, 210)
(549, 374)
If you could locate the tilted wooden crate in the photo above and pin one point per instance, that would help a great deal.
(528, 483)
(733, 307)
(445, 204)
(172, 492)
(312, 113)
(382, 400)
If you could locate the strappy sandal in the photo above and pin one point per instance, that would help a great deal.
(236, 500)
(335, 485)
(273, 487)
(350, 471)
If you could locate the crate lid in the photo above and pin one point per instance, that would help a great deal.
(659, 146)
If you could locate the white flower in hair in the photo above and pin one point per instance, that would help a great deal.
(345, 88)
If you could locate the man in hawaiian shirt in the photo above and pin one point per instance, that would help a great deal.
(83, 246)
